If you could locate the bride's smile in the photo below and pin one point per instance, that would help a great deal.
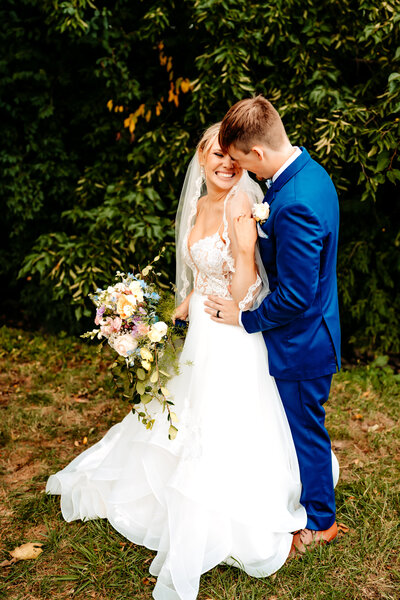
(221, 171)
(226, 175)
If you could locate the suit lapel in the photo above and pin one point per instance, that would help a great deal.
(270, 195)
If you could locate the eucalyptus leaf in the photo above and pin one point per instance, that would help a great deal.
(141, 374)
(140, 388)
(154, 377)
(172, 432)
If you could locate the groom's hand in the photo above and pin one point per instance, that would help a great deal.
(227, 310)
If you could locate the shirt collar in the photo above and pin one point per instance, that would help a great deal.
(289, 161)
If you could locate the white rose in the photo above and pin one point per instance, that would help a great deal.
(134, 286)
(161, 327)
(157, 331)
(154, 336)
(123, 344)
(261, 211)
(120, 287)
(136, 290)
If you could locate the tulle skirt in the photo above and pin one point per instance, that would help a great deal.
(226, 490)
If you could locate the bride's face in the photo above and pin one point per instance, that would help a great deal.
(221, 171)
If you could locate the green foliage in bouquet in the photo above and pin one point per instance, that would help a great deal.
(104, 104)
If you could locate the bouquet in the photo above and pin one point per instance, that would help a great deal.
(147, 348)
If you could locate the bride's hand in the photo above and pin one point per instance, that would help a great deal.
(181, 312)
(246, 233)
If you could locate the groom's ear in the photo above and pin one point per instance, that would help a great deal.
(201, 157)
(259, 152)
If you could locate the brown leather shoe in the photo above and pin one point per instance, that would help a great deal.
(308, 539)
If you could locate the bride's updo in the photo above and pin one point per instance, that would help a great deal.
(208, 138)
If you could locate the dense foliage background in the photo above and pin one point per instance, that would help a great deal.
(101, 107)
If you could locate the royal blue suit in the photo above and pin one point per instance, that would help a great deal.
(300, 317)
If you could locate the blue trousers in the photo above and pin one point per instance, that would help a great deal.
(303, 402)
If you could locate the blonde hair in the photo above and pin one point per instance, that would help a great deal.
(208, 138)
(252, 121)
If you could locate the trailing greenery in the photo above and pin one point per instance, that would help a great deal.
(106, 101)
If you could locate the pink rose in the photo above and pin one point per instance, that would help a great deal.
(123, 344)
(142, 329)
(109, 326)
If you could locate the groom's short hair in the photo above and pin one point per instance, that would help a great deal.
(252, 121)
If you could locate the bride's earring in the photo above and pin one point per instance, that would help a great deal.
(203, 173)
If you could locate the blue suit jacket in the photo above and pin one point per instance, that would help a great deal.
(300, 317)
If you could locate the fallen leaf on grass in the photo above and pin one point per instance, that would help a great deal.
(373, 428)
(7, 563)
(358, 417)
(148, 580)
(28, 551)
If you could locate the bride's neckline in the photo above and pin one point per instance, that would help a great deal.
(206, 237)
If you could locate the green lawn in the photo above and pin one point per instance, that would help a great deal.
(56, 398)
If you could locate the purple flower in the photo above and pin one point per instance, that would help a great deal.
(99, 314)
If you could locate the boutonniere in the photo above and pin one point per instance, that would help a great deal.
(260, 212)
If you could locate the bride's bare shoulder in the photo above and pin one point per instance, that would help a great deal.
(241, 204)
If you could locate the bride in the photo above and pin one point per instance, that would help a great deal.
(227, 489)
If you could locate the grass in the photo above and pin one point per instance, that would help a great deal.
(56, 398)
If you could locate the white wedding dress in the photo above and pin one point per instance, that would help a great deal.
(227, 489)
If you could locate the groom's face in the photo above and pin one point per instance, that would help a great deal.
(256, 161)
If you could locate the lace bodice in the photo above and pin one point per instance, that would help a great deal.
(213, 265)
(212, 270)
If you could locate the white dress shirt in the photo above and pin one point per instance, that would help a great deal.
(285, 165)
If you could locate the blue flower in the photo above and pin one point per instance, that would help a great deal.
(154, 296)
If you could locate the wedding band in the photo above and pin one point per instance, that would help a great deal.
(218, 314)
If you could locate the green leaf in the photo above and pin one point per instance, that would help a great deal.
(172, 432)
(140, 388)
(141, 374)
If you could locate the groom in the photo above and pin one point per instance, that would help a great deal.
(300, 317)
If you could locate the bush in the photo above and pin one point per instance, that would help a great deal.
(105, 106)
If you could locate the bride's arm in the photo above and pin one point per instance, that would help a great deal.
(245, 281)
(181, 312)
